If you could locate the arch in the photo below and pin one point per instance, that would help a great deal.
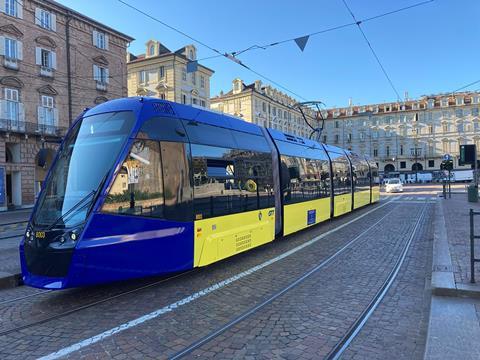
(12, 30)
(417, 167)
(102, 60)
(389, 168)
(11, 81)
(46, 41)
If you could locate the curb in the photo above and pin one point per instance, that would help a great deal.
(8, 281)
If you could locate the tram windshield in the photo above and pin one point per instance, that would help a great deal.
(82, 166)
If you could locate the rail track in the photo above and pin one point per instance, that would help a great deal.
(355, 328)
(4, 228)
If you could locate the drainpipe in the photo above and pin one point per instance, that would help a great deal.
(69, 69)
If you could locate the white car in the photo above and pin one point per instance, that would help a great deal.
(393, 185)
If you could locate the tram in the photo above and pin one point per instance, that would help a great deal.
(143, 186)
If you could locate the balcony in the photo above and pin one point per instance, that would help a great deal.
(10, 63)
(102, 86)
(46, 71)
(23, 127)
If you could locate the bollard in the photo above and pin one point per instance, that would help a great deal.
(444, 191)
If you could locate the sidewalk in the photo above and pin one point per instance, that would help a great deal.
(454, 326)
(9, 257)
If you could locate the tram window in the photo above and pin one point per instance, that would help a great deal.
(228, 181)
(163, 128)
(250, 141)
(177, 181)
(361, 176)
(200, 133)
(304, 179)
(138, 186)
(341, 176)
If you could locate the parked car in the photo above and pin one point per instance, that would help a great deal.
(393, 185)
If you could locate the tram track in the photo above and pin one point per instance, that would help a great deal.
(356, 327)
(4, 228)
(82, 307)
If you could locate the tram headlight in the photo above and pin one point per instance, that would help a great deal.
(73, 236)
(28, 233)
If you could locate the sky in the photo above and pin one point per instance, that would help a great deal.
(425, 50)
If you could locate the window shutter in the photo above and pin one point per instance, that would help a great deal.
(107, 77)
(41, 115)
(55, 116)
(21, 112)
(54, 22)
(3, 109)
(2, 44)
(54, 59)
(19, 8)
(19, 50)
(38, 16)
(38, 55)
(95, 72)
(94, 37)
(106, 41)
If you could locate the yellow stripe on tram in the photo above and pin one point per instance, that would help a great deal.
(221, 237)
(342, 204)
(361, 198)
(302, 215)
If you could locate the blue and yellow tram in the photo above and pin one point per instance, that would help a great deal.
(142, 187)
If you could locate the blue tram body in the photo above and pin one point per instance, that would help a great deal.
(143, 186)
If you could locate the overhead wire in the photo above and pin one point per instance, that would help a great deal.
(358, 23)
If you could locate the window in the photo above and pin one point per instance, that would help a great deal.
(142, 77)
(162, 72)
(475, 111)
(460, 127)
(337, 124)
(445, 128)
(430, 129)
(202, 81)
(459, 113)
(362, 136)
(151, 50)
(202, 103)
(46, 59)
(401, 149)
(45, 19)
(194, 79)
(444, 102)
(403, 164)
(11, 8)
(388, 151)
(47, 101)
(11, 49)
(431, 163)
(47, 114)
(459, 100)
(336, 138)
(184, 99)
(341, 175)
(194, 101)
(100, 74)
(138, 186)
(325, 139)
(304, 179)
(100, 40)
(184, 74)
(375, 134)
(375, 152)
(12, 104)
(349, 138)
(264, 107)
(228, 181)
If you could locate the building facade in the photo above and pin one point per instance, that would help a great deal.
(263, 105)
(163, 73)
(409, 136)
(54, 62)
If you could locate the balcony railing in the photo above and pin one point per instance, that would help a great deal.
(24, 127)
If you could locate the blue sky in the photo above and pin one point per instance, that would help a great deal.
(428, 49)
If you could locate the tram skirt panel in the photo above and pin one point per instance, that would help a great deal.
(342, 204)
(302, 215)
(361, 198)
(221, 237)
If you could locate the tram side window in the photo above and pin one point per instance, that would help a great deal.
(341, 176)
(228, 181)
(361, 177)
(138, 186)
(304, 179)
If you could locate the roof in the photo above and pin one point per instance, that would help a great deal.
(88, 19)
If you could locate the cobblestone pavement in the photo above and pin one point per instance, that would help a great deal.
(305, 321)
(457, 223)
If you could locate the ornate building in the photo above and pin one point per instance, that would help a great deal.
(163, 73)
(54, 62)
(409, 135)
(262, 105)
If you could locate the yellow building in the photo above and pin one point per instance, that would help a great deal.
(163, 73)
(262, 105)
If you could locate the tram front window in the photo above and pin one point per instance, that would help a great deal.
(83, 164)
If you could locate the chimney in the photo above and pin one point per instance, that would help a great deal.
(258, 85)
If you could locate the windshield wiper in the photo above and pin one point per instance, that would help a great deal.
(74, 207)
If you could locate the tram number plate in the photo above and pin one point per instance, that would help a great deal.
(40, 234)
(311, 217)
